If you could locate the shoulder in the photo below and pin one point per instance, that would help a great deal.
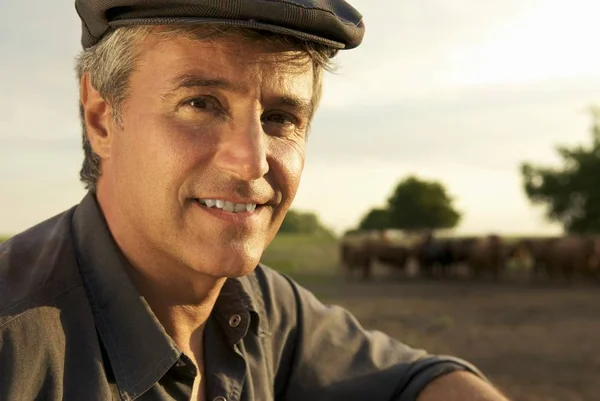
(37, 266)
(327, 352)
(46, 324)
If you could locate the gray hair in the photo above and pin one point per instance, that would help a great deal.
(110, 63)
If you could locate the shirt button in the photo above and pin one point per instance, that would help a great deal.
(219, 398)
(234, 321)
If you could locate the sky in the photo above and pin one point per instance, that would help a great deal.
(457, 91)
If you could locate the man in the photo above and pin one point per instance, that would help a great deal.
(195, 117)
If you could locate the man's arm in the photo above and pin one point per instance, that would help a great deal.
(460, 386)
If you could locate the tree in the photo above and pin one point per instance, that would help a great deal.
(375, 219)
(292, 222)
(303, 223)
(571, 193)
(418, 204)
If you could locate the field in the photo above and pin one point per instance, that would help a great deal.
(536, 342)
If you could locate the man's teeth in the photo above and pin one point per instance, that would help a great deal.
(228, 206)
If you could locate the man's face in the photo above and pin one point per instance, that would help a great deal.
(210, 151)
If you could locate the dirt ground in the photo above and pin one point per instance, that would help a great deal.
(537, 342)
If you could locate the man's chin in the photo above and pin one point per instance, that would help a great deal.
(241, 272)
(235, 258)
(235, 271)
(231, 267)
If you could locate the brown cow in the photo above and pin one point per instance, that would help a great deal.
(574, 255)
(357, 253)
(390, 253)
(538, 251)
(487, 255)
(593, 265)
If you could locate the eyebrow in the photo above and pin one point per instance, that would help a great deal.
(196, 81)
(303, 106)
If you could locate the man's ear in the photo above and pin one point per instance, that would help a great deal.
(98, 118)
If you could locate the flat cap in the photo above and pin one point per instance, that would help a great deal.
(331, 22)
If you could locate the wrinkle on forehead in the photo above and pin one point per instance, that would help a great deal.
(267, 50)
(257, 66)
(243, 49)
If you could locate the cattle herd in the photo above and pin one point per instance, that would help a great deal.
(563, 258)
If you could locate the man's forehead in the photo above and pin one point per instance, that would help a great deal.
(186, 62)
(225, 46)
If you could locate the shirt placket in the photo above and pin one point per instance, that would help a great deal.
(225, 365)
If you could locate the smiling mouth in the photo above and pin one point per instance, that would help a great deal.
(228, 206)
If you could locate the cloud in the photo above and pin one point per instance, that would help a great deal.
(39, 92)
(408, 46)
(493, 126)
(551, 40)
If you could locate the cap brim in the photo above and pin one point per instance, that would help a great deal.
(226, 22)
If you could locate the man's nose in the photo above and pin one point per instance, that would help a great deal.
(243, 150)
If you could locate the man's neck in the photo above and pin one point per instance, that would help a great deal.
(181, 307)
(181, 298)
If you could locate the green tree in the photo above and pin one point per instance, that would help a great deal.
(418, 204)
(571, 192)
(298, 222)
(375, 219)
(292, 223)
(350, 231)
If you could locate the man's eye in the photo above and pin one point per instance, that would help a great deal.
(281, 119)
(203, 103)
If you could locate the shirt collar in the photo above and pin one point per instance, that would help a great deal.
(237, 297)
(138, 348)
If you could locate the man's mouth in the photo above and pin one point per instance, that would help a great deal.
(228, 206)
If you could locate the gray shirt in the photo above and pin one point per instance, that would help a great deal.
(74, 327)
